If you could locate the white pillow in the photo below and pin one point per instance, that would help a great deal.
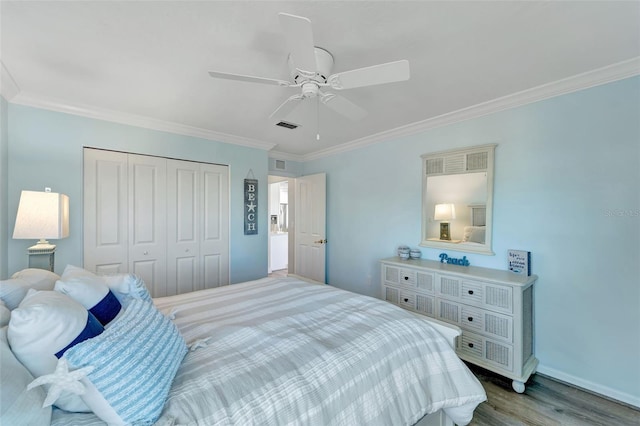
(124, 286)
(134, 362)
(19, 407)
(474, 234)
(37, 277)
(91, 292)
(45, 324)
(5, 314)
(13, 290)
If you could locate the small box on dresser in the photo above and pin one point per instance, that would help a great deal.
(493, 308)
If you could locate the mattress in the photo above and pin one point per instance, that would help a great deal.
(280, 351)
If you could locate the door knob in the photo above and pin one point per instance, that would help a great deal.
(321, 241)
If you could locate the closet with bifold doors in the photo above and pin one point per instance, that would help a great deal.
(165, 220)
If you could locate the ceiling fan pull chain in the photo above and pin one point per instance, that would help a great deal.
(318, 118)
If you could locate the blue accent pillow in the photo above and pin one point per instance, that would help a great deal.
(107, 308)
(135, 360)
(92, 329)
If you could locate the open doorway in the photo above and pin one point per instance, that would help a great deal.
(278, 195)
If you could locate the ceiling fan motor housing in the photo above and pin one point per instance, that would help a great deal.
(324, 65)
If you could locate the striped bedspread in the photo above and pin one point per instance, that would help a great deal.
(285, 352)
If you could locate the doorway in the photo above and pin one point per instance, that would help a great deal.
(278, 195)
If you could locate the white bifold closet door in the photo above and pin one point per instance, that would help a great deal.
(164, 220)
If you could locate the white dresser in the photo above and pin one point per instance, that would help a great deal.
(493, 308)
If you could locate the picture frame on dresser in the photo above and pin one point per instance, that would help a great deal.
(493, 308)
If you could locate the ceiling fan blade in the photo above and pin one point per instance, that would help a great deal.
(286, 108)
(299, 35)
(343, 106)
(250, 79)
(370, 76)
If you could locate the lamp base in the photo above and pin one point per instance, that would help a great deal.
(42, 247)
(444, 231)
(42, 255)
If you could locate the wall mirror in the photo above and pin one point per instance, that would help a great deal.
(457, 199)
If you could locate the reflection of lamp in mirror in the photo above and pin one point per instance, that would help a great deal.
(445, 213)
(42, 215)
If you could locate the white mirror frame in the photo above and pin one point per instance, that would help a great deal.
(460, 161)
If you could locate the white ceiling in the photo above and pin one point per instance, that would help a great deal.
(146, 63)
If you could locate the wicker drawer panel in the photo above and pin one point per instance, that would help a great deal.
(425, 305)
(477, 347)
(391, 295)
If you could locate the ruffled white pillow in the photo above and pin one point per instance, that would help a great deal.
(45, 325)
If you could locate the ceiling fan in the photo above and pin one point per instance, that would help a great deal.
(310, 67)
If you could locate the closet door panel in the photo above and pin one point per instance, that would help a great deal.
(213, 271)
(147, 221)
(214, 243)
(183, 205)
(105, 211)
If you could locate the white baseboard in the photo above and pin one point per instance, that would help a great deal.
(605, 391)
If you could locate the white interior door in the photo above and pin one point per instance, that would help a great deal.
(148, 221)
(183, 246)
(214, 238)
(310, 226)
(105, 212)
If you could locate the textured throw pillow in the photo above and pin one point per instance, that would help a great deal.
(127, 287)
(132, 365)
(19, 407)
(43, 327)
(91, 292)
(13, 290)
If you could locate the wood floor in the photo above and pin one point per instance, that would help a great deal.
(546, 402)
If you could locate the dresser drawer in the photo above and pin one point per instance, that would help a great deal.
(475, 346)
(407, 299)
(489, 323)
(490, 296)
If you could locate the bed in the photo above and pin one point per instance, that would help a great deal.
(283, 351)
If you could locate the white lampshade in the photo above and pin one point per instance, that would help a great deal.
(445, 212)
(42, 215)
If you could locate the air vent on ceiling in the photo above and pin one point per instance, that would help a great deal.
(287, 125)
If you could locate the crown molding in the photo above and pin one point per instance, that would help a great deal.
(8, 86)
(608, 74)
(618, 71)
(139, 121)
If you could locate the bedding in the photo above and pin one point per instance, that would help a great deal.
(282, 351)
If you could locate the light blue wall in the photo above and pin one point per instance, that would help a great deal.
(4, 176)
(45, 150)
(567, 177)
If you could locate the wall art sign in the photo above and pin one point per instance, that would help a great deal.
(250, 206)
(444, 258)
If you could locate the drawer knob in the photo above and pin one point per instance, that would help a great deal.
(406, 299)
(471, 345)
(406, 278)
(470, 319)
(470, 291)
